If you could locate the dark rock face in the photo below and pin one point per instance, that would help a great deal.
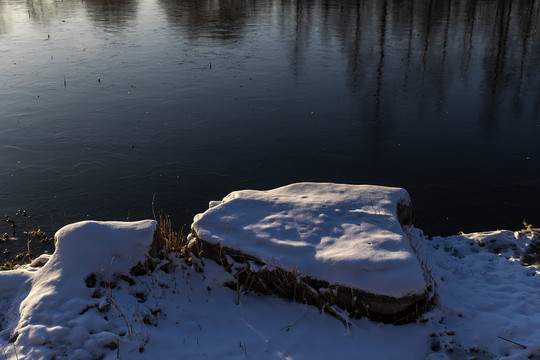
(405, 213)
(532, 254)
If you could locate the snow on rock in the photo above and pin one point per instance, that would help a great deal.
(44, 303)
(344, 234)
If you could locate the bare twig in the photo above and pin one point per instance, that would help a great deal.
(153, 209)
(513, 342)
(110, 297)
(28, 248)
(15, 348)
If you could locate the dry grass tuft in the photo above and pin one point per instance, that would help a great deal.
(173, 242)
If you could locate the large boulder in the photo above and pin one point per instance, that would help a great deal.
(339, 247)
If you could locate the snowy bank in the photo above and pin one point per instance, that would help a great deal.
(485, 306)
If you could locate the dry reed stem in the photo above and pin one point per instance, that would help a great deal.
(28, 249)
(175, 242)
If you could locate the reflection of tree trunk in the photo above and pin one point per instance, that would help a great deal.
(495, 72)
(503, 17)
(446, 26)
(527, 29)
(534, 53)
(357, 33)
(427, 32)
(468, 37)
(283, 6)
(377, 130)
(382, 40)
(442, 83)
(355, 55)
(409, 45)
(297, 38)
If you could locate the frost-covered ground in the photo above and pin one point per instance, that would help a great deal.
(486, 306)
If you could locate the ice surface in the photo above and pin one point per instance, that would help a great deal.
(345, 234)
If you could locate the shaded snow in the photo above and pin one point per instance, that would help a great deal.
(484, 293)
(344, 234)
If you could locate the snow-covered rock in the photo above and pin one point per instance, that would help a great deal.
(46, 304)
(347, 236)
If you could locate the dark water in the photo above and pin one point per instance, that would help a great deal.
(105, 103)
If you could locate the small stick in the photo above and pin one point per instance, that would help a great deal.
(513, 342)
(15, 348)
(153, 210)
